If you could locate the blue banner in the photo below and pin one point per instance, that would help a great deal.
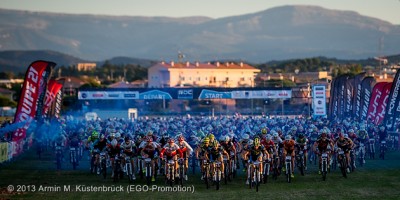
(155, 94)
(211, 94)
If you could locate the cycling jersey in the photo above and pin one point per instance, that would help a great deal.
(214, 154)
(256, 153)
(323, 144)
(345, 144)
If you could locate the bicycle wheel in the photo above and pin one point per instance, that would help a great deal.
(104, 168)
(343, 167)
(257, 178)
(288, 173)
(324, 166)
(301, 168)
(148, 174)
(218, 178)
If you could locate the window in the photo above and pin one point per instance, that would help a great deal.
(198, 79)
(242, 79)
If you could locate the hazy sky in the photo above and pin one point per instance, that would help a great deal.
(388, 10)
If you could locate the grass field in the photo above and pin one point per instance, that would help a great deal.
(379, 179)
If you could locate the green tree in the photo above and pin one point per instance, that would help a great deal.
(5, 101)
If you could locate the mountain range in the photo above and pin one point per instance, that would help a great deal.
(279, 33)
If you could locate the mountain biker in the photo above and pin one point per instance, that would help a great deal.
(215, 153)
(228, 146)
(114, 149)
(346, 145)
(149, 149)
(244, 146)
(256, 152)
(202, 153)
(186, 151)
(301, 142)
(323, 144)
(129, 149)
(288, 148)
(171, 149)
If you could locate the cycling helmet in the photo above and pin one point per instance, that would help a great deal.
(95, 134)
(127, 138)
(150, 133)
(206, 140)
(227, 138)
(215, 143)
(149, 139)
(268, 137)
(257, 141)
(346, 136)
(222, 138)
(118, 135)
(382, 128)
(264, 131)
(301, 135)
(288, 137)
(171, 140)
(114, 143)
(323, 134)
(211, 136)
(275, 135)
(246, 136)
(102, 136)
(112, 135)
(351, 131)
(181, 138)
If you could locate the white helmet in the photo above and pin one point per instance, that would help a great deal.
(114, 143)
(288, 137)
(246, 136)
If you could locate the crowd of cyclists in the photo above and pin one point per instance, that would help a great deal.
(220, 146)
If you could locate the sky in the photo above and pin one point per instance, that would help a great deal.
(387, 10)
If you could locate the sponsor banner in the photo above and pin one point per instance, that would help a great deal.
(211, 94)
(392, 102)
(357, 94)
(51, 94)
(98, 95)
(366, 91)
(155, 94)
(382, 104)
(33, 88)
(319, 100)
(185, 94)
(341, 88)
(376, 96)
(58, 104)
(262, 94)
(333, 99)
(348, 100)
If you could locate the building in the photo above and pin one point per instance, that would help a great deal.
(85, 66)
(70, 85)
(7, 93)
(198, 74)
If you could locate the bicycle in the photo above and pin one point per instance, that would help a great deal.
(73, 157)
(94, 166)
(103, 164)
(266, 170)
(352, 161)
(372, 149)
(324, 165)
(382, 149)
(206, 173)
(148, 170)
(232, 167)
(129, 169)
(342, 162)
(361, 154)
(288, 165)
(118, 173)
(58, 157)
(254, 174)
(300, 162)
(217, 173)
(181, 170)
(275, 168)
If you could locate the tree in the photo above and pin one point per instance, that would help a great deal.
(4, 101)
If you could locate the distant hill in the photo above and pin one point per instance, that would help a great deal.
(19, 61)
(279, 33)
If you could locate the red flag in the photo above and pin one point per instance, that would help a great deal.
(30, 92)
(374, 100)
(51, 93)
(382, 104)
